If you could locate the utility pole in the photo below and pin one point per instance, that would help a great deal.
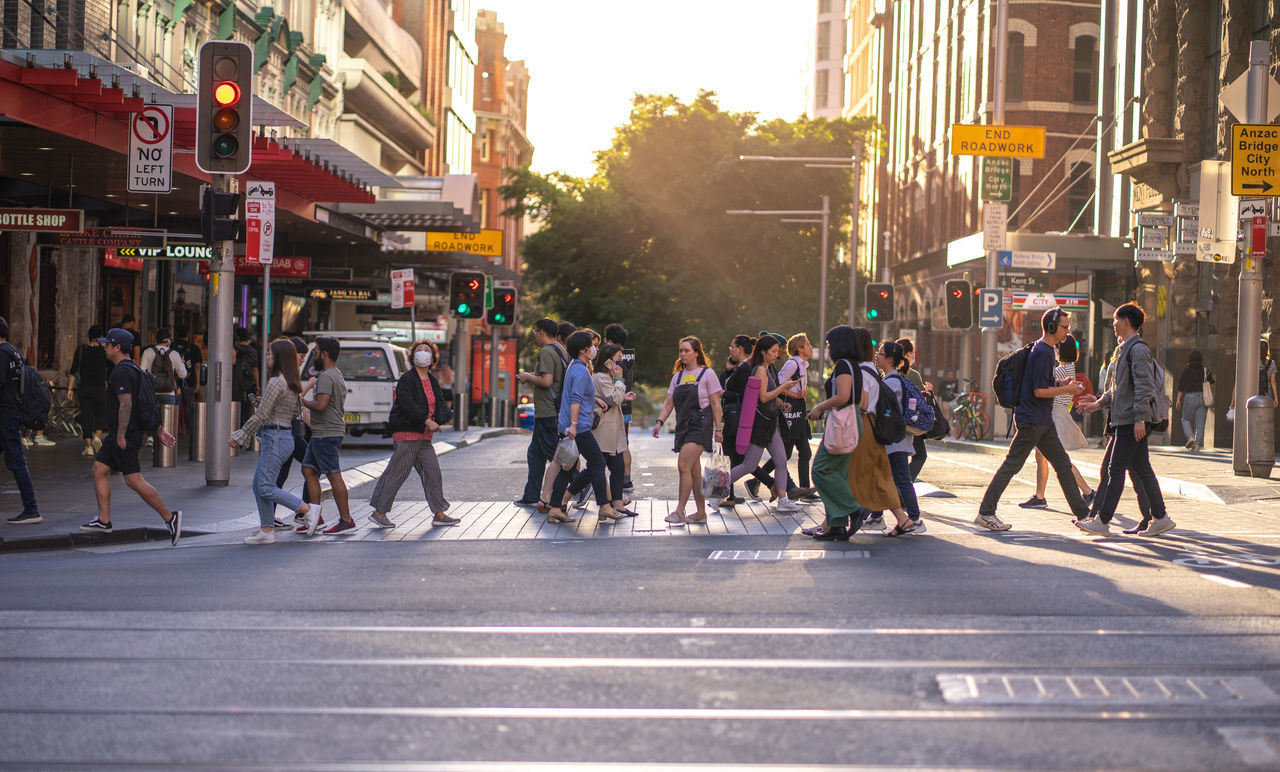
(853, 234)
(266, 329)
(1249, 324)
(988, 363)
(822, 283)
(222, 278)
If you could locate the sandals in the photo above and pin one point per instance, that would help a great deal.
(560, 517)
(543, 507)
(899, 530)
(835, 533)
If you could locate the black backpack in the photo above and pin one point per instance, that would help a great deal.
(889, 426)
(162, 371)
(242, 380)
(34, 395)
(1007, 382)
(145, 406)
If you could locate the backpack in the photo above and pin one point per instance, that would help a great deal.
(1160, 405)
(242, 380)
(145, 406)
(162, 371)
(1007, 382)
(889, 426)
(920, 418)
(34, 395)
(556, 393)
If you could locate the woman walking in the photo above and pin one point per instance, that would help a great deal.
(281, 402)
(764, 429)
(734, 382)
(891, 360)
(1191, 386)
(831, 470)
(1069, 433)
(416, 415)
(577, 413)
(795, 424)
(611, 433)
(694, 397)
(88, 381)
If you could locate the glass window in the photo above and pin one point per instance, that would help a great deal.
(1085, 81)
(822, 48)
(821, 89)
(1080, 198)
(1013, 68)
(824, 6)
(364, 364)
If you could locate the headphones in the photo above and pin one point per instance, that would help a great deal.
(1050, 321)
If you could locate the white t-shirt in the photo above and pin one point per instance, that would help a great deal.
(870, 387)
(789, 367)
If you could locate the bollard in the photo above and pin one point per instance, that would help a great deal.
(166, 457)
(196, 429)
(1261, 435)
(235, 424)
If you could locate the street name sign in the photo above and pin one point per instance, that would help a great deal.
(1044, 261)
(1007, 141)
(991, 308)
(260, 222)
(151, 150)
(1155, 220)
(42, 220)
(1255, 160)
(997, 178)
(995, 223)
(1030, 283)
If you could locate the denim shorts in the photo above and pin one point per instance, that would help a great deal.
(322, 455)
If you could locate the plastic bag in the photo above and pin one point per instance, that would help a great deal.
(715, 476)
(1231, 414)
(567, 453)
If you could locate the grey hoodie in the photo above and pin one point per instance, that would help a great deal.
(1133, 390)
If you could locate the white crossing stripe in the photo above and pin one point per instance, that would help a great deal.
(1103, 689)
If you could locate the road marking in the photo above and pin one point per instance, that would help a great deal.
(1258, 746)
(776, 555)
(1225, 581)
(1104, 690)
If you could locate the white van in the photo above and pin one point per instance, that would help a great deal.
(371, 366)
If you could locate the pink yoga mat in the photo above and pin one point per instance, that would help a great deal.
(750, 400)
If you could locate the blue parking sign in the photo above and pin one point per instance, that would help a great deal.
(991, 308)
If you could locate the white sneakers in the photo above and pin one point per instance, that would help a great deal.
(1158, 527)
(1094, 526)
(313, 519)
(787, 505)
(261, 537)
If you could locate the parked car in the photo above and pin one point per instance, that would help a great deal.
(371, 366)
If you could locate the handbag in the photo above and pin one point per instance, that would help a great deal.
(1206, 389)
(841, 435)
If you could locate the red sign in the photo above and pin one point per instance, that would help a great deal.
(110, 260)
(1258, 237)
(45, 220)
(286, 267)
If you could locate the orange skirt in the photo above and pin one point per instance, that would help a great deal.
(870, 478)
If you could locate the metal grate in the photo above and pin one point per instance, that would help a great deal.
(1104, 690)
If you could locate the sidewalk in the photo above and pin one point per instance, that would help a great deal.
(1205, 475)
(64, 490)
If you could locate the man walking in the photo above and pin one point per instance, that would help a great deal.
(327, 430)
(119, 452)
(130, 325)
(191, 360)
(11, 430)
(1033, 419)
(1131, 398)
(547, 380)
(166, 366)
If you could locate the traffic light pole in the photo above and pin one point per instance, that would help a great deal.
(989, 336)
(222, 281)
(853, 237)
(493, 379)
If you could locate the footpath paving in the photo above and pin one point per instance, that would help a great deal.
(64, 490)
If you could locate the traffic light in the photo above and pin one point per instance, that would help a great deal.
(879, 302)
(959, 305)
(504, 306)
(217, 222)
(224, 100)
(466, 294)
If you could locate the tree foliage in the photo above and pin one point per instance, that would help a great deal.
(646, 240)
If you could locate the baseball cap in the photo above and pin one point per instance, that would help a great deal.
(122, 338)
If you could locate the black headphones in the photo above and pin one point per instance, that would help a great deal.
(1050, 321)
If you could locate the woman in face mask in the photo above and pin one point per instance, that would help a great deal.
(419, 411)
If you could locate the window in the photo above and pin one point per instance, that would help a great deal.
(1080, 198)
(1013, 68)
(364, 364)
(485, 141)
(824, 6)
(823, 47)
(1084, 84)
(821, 90)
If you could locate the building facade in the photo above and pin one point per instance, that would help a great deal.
(827, 86)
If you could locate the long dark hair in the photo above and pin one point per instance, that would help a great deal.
(843, 344)
(893, 351)
(607, 352)
(763, 344)
(862, 340)
(696, 345)
(284, 362)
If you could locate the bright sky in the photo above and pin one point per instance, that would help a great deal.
(586, 59)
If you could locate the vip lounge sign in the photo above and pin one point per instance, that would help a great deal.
(260, 223)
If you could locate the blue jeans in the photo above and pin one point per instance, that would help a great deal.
(542, 446)
(15, 460)
(277, 445)
(900, 465)
(1194, 414)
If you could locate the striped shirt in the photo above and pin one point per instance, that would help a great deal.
(278, 407)
(1064, 372)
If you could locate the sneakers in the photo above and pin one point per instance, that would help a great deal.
(580, 501)
(1089, 497)
(175, 526)
(88, 451)
(1035, 502)
(526, 503)
(381, 521)
(261, 537)
(312, 520)
(991, 523)
(42, 440)
(1138, 528)
(920, 527)
(96, 444)
(1158, 526)
(753, 488)
(787, 505)
(342, 526)
(874, 523)
(627, 487)
(25, 517)
(443, 519)
(675, 518)
(96, 526)
(280, 524)
(1094, 526)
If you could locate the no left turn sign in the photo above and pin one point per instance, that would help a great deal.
(152, 124)
(150, 166)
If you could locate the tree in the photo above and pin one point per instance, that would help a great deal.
(646, 241)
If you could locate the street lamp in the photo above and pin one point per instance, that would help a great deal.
(789, 215)
(833, 162)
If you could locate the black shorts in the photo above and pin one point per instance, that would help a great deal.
(123, 461)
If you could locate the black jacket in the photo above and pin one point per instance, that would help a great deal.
(409, 410)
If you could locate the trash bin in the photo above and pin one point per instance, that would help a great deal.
(1261, 436)
(165, 457)
(196, 429)
(235, 424)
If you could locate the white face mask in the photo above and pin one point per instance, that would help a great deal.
(422, 358)
(591, 352)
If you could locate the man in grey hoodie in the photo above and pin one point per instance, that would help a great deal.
(1132, 402)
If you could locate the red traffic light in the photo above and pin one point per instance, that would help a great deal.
(473, 284)
(226, 93)
(884, 294)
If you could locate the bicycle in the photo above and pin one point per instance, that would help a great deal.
(64, 414)
(968, 418)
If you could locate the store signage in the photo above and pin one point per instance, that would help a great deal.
(487, 243)
(402, 288)
(45, 220)
(1008, 141)
(1037, 301)
(111, 259)
(283, 267)
(151, 150)
(107, 239)
(260, 222)
(169, 252)
(343, 293)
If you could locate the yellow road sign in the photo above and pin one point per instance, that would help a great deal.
(1007, 141)
(487, 242)
(1255, 160)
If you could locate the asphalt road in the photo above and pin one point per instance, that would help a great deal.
(1034, 649)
